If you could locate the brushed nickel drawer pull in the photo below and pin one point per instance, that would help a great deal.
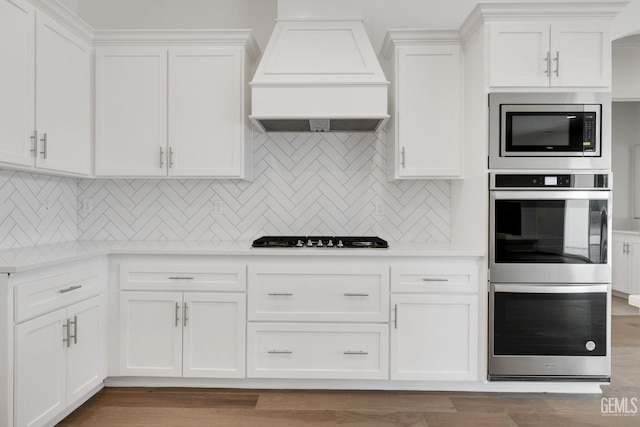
(427, 279)
(67, 333)
(356, 295)
(395, 316)
(280, 352)
(44, 146)
(177, 315)
(356, 352)
(280, 294)
(75, 330)
(184, 315)
(181, 278)
(34, 150)
(69, 289)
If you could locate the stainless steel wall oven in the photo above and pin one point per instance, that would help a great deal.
(550, 277)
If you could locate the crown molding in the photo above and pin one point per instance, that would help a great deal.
(65, 17)
(396, 37)
(178, 37)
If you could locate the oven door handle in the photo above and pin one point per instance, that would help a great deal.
(549, 288)
(546, 194)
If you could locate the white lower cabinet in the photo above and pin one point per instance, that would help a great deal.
(326, 351)
(176, 334)
(626, 263)
(434, 337)
(59, 361)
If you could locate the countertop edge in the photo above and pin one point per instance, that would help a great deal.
(42, 256)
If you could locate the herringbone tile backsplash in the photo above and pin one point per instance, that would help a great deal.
(303, 184)
(36, 209)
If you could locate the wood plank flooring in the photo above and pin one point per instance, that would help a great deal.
(172, 407)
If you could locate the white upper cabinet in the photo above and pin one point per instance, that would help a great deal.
(173, 111)
(17, 109)
(425, 129)
(206, 124)
(131, 109)
(63, 98)
(45, 110)
(540, 54)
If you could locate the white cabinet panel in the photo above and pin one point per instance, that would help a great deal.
(315, 292)
(205, 111)
(17, 109)
(63, 98)
(518, 54)
(182, 277)
(434, 337)
(214, 335)
(151, 334)
(281, 350)
(40, 369)
(175, 334)
(626, 263)
(458, 276)
(543, 54)
(581, 54)
(84, 355)
(131, 111)
(426, 95)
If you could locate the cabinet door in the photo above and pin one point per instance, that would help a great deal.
(633, 281)
(40, 369)
(434, 337)
(580, 54)
(205, 112)
(518, 54)
(429, 111)
(131, 111)
(84, 356)
(63, 98)
(17, 110)
(620, 266)
(151, 334)
(214, 335)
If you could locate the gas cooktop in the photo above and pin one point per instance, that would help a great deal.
(319, 242)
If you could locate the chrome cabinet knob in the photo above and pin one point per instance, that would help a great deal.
(340, 244)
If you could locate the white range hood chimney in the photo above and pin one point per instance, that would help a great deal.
(319, 72)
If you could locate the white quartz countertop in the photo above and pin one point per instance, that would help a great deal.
(32, 257)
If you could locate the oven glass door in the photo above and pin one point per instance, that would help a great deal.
(550, 227)
(549, 320)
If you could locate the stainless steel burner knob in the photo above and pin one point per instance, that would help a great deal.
(340, 244)
(319, 244)
(330, 244)
(309, 242)
(300, 243)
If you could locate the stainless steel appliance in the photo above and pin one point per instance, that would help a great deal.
(549, 131)
(327, 242)
(550, 276)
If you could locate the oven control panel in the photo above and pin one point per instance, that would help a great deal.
(537, 181)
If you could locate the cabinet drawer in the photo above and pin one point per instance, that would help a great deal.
(451, 277)
(51, 293)
(328, 351)
(319, 293)
(182, 277)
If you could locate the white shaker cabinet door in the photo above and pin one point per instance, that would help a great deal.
(151, 334)
(63, 98)
(434, 337)
(519, 54)
(40, 369)
(214, 335)
(620, 265)
(206, 111)
(17, 109)
(131, 111)
(84, 355)
(580, 54)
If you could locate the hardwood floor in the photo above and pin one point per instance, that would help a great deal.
(166, 407)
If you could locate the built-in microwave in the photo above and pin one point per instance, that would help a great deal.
(549, 130)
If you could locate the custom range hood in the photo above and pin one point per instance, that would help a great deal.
(319, 72)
